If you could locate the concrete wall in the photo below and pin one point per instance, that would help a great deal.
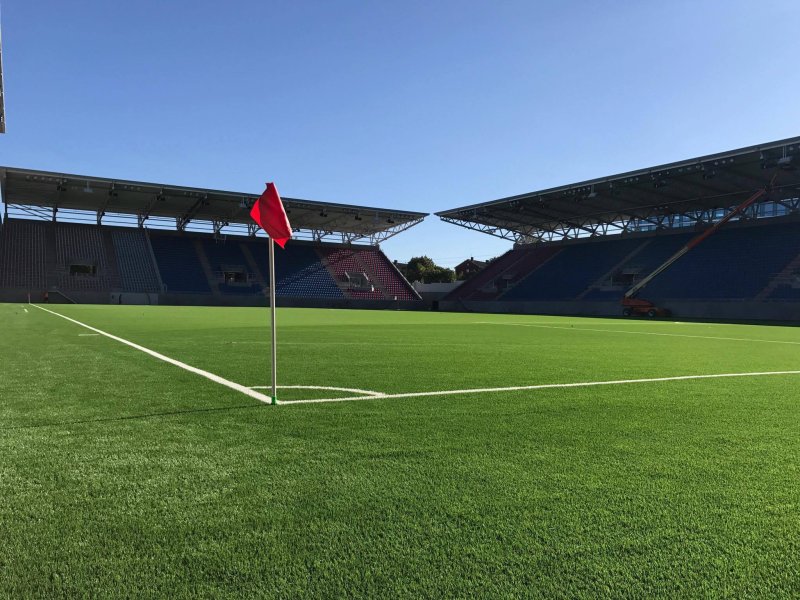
(207, 300)
(133, 298)
(435, 291)
(723, 311)
(16, 295)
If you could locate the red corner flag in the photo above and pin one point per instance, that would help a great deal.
(268, 212)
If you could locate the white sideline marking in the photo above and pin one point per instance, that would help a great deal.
(321, 387)
(25, 309)
(545, 386)
(685, 335)
(215, 378)
(87, 334)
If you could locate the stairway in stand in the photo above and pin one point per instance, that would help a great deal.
(781, 278)
(212, 281)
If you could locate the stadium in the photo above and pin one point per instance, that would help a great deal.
(578, 249)
(606, 408)
(141, 291)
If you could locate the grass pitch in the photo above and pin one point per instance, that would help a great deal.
(121, 475)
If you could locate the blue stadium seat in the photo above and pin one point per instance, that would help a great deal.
(298, 269)
(572, 270)
(178, 263)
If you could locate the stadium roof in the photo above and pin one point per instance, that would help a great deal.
(688, 192)
(44, 194)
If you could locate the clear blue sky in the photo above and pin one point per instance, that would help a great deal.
(414, 105)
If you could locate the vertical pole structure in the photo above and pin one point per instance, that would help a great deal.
(272, 319)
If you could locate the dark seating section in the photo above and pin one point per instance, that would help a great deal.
(179, 262)
(136, 267)
(225, 255)
(345, 264)
(298, 269)
(23, 250)
(786, 292)
(504, 272)
(40, 255)
(385, 274)
(732, 264)
(482, 284)
(84, 246)
(379, 279)
(571, 271)
(736, 263)
(652, 253)
(741, 262)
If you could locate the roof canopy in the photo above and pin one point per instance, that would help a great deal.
(672, 195)
(41, 192)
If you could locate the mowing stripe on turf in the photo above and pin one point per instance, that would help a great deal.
(684, 335)
(545, 386)
(215, 378)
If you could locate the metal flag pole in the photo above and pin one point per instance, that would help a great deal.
(272, 307)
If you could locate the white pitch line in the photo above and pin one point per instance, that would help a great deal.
(215, 378)
(545, 386)
(321, 387)
(25, 309)
(684, 335)
(88, 334)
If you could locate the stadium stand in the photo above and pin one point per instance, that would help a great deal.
(123, 241)
(364, 272)
(786, 284)
(497, 276)
(91, 259)
(23, 251)
(713, 236)
(351, 274)
(483, 286)
(649, 255)
(738, 263)
(178, 263)
(298, 269)
(230, 266)
(385, 274)
(137, 270)
(734, 264)
(571, 271)
(82, 259)
(786, 292)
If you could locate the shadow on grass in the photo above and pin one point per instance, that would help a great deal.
(170, 413)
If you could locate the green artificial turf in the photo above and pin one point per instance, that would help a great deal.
(121, 475)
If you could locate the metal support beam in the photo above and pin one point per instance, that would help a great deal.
(506, 234)
(184, 219)
(145, 214)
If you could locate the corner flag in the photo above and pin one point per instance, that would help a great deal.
(268, 212)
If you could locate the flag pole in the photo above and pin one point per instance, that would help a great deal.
(272, 306)
(269, 214)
